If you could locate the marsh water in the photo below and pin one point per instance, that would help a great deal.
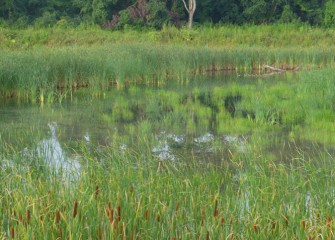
(194, 120)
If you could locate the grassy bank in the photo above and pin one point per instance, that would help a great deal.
(35, 64)
(40, 74)
(123, 189)
(128, 195)
(274, 36)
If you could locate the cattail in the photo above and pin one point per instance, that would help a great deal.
(207, 236)
(286, 221)
(132, 234)
(177, 207)
(114, 223)
(222, 220)
(75, 208)
(12, 235)
(119, 213)
(99, 232)
(57, 216)
(255, 227)
(216, 212)
(303, 224)
(146, 214)
(273, 224)
(158, 217)
(123, 231)
(202, 217)
(60, 234)
(110, 213)
(28, 216)
(328, 221)
(20, 217)
(96, 192)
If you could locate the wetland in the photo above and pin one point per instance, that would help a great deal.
(166, 141)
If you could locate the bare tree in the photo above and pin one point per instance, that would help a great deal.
(190, 9)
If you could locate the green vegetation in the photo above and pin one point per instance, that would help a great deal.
(116, 14)
(45, 65)
(127, 194)
(256, 156)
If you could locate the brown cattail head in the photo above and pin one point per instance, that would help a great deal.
(158, 217)
(110, 213)
(12, 235)
(96, 192)
(20, 217)
(328, 221)
(119, 213)
(303, 224)
(286, 221)
(57, 216)
(273, 224)
(222, 220)
(255, 227)
(60, 234)
(216, 212)
(75, 209)
(114, 224)
(147, 214)
(202, 216)
(28, 216)
(132, 234)
(177, 207)
(207, 236)
(99, 233)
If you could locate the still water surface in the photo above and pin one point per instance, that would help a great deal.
(175, 122)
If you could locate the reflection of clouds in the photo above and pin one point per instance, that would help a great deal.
(208, 137)
(162, 150)
(54, 157)
(239, 143)
(87, 137)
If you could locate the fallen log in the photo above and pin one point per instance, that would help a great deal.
(274, 68)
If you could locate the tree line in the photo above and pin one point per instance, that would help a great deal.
(118, 14)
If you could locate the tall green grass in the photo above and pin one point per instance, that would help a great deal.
(129, 195)
(39, 64)
(44, 74)
(230, 36)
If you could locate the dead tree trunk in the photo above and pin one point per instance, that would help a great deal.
(190, 8)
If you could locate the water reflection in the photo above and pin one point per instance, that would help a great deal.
(51, 152)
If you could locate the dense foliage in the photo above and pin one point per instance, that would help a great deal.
(157, 13)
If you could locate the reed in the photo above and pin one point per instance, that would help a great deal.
(44, 74)
(232, 36)
(213, 202)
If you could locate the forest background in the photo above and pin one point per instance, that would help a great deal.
(155, 14)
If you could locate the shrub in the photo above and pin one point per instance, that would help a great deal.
(329, 19)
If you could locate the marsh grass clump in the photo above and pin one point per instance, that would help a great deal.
(46, 74)
(121, 195)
